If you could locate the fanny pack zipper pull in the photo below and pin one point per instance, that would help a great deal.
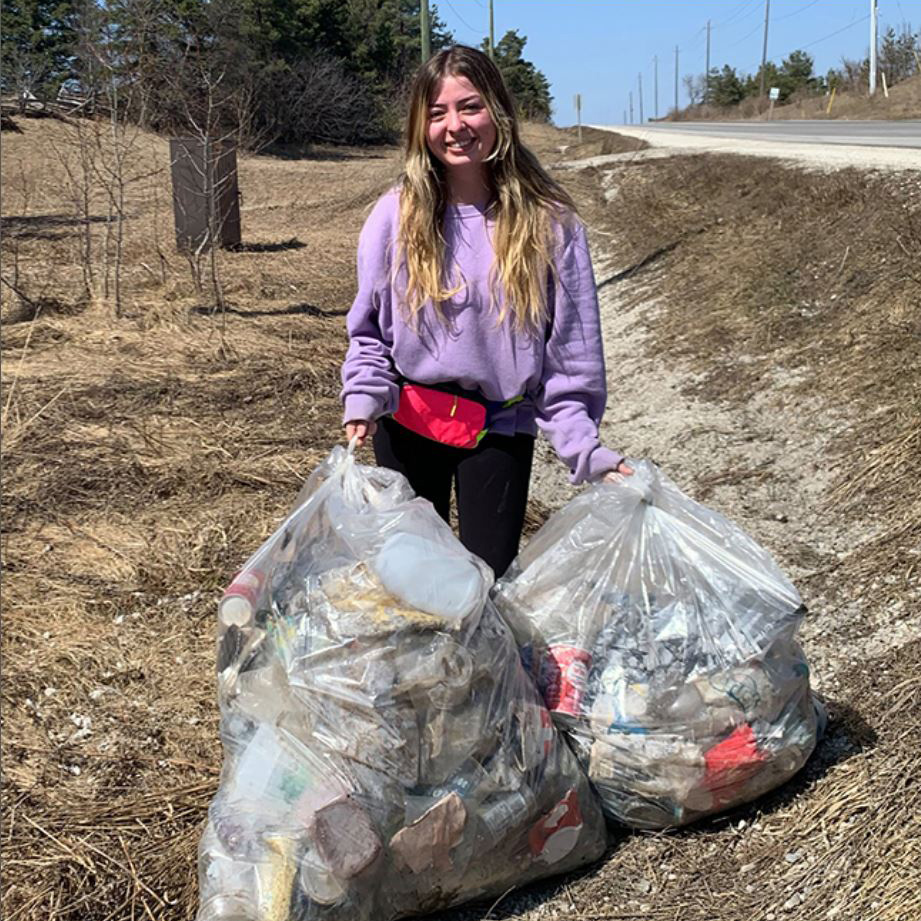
(454, 407)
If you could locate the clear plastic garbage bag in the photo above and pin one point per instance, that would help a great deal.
(385, 753)
(663, 639)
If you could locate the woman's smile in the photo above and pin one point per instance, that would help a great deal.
(460, 130)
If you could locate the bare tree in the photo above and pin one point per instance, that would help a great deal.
(695, 85)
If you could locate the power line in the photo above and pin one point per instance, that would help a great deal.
(752, 4)
(463, 21)
(802, 9)
(850, 25)
(746, 35)
(694, 40)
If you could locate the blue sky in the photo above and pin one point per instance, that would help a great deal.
(599, 47)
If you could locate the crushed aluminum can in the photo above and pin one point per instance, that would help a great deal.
(506, 811)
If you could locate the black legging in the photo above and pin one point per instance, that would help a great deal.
(491, 483)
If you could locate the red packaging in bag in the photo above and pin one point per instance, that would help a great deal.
(238, 605)
(563, 677)
(556, 834)
(731, 763)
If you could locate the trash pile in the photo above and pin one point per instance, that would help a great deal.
(385, 753)
(663, 639)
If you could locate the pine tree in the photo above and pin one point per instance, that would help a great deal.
(529, 87)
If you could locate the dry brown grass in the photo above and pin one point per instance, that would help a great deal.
(147, 455)
(816, 273)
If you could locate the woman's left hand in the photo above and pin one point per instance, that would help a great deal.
(615, 476)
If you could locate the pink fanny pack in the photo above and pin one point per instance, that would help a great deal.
(450, 416)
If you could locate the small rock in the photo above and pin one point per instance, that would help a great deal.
(84, 728)
(792, 856)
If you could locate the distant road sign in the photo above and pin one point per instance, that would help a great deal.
(775, 92)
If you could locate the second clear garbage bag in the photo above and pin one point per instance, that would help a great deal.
(663, 639)
(385, 753)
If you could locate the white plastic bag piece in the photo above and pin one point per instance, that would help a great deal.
(430, 577)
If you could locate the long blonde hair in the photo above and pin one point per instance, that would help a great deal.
(525, 204)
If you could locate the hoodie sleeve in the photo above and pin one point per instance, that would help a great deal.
(369, 380)
(573, 392)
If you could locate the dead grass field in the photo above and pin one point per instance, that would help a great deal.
(146, 455)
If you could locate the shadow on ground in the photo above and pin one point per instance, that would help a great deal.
(280, 247)
(308, 310)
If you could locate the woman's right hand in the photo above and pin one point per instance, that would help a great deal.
(362, 428)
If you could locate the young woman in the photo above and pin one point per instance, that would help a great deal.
(476, 319)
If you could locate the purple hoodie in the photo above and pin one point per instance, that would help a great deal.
(561, 373)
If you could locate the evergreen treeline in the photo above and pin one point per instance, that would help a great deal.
(286, 71)
(897, 58)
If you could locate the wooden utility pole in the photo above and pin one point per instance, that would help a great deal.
(639, 86)
(492, 36)
(425, 30)
(676, 79)
(872, 47)
(655, 84)
(707, 71)
(767, 11)
(577, 102)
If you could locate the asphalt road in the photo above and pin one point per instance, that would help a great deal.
(854, 133)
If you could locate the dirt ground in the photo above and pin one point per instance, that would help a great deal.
(761, 326)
